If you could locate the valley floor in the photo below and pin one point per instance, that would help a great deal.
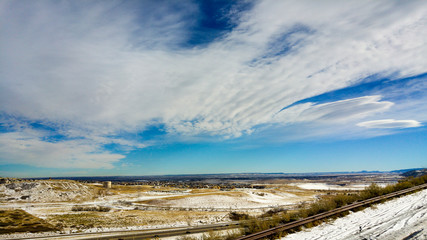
(76, 207)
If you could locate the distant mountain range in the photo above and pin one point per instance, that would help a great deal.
(234, 176)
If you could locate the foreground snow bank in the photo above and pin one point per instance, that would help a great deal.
(401, 218)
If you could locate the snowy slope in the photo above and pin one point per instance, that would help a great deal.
(401, 218)
(44, 191)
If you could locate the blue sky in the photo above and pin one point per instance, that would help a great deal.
(178, 87)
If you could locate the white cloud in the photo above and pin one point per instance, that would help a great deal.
(334, 120)
(100, 69)
(334, 112)
(390, 123)
(28, 147)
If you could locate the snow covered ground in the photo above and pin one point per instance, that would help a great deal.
(401, 218)
(325, 186)
(53, 200)
(47, 191)
(242, 199)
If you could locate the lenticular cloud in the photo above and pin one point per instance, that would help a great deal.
(390, 123)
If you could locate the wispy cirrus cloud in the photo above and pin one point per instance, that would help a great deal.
(390, 123)
(103, 72)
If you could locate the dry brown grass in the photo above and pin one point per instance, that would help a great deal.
(133, 189)
(203, 190)
(216, 193)
(129, 189)
(301, 193)
(275, 181)
(12, 221)
(130, 218)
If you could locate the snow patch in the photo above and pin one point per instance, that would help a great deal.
(325, 186)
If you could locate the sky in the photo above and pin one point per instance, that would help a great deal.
(99, 88)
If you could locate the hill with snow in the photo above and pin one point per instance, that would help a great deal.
(44, 191)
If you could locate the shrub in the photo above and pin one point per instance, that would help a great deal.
(274, 211)
(342, 200)
(372, 191)
(90, 208)
(235, 216)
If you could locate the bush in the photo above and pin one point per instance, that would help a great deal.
(90, 208)
(372, 191)
(235, 216)
(274, 211)
(342, 200)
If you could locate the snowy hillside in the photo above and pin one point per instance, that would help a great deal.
(401, 218)
(44, 191)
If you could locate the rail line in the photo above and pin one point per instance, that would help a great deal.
(319, 216)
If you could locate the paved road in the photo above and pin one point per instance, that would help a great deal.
(140, 234)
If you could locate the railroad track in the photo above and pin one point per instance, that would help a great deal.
(319, 216)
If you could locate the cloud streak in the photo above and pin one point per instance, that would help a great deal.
(390, 123)
(334, 112)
